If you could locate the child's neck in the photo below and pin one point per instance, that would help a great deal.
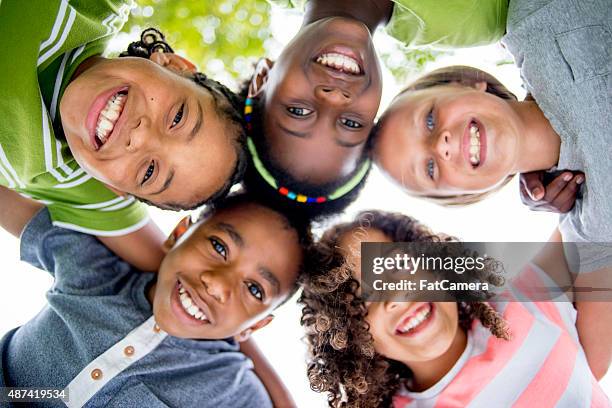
(150, 291)
(427, 373)
(540, 144)
(370, 12)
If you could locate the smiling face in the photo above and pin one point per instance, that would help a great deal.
(147, 131)
(227, 274)
(449, 139)
(320, 100)
(409, 332)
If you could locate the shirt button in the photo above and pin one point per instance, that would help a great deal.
(96, 374)
(129, 351)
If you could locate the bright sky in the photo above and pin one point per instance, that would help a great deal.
(501, 218)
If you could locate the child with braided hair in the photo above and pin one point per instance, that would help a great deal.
(91, 136)
(421, 354)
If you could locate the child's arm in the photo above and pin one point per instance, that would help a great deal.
(16, 210)
(281, 398)
(594, 324)
(592, 319)
(142, 248)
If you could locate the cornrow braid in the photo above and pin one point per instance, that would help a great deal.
(153, 40)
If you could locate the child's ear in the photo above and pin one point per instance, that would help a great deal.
(178, 231)
(245, 334)
(260, 77)
(174, 62)
(480, 86)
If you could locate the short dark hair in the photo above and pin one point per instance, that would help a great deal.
(228, 105)
(295, 221)
(257, 185)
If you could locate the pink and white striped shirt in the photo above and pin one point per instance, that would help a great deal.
(543, 365)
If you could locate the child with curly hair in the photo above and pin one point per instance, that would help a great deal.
(88, 135)
(421, 354)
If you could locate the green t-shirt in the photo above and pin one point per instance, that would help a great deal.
(440, 24)
(44, 43)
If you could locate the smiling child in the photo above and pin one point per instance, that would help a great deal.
(421, 354)
(150, 128)
(114, 336)
(313, 109)
(457, 134)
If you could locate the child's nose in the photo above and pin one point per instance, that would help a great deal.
(333, 95)
(443, 146)
(390, 306)
(139, 135)
(216, 287)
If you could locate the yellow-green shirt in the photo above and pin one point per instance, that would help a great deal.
(44, 42)
(440, 23)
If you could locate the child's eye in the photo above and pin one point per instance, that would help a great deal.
(255, 290)
(351, 123)
(148, 173)
(429, 120)
(299, 111)
(219, 247)
(430, 168)
(178, 117)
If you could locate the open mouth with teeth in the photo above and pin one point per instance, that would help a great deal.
(474, 144)
(340, 62)
(416, 321)
(189, 305)
(108, 118)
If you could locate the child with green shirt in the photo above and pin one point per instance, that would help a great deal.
(88, 136)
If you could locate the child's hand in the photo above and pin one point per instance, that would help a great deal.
(558, 196)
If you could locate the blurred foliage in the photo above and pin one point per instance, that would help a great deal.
(406, 63)
(222, 37)
(225, 38)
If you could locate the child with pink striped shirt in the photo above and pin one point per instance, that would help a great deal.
(436, 354)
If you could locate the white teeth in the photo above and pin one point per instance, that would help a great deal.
(416, 320)
(105, 124)
(109, 115)
(474, 145)
(189, 306)
(340, 62)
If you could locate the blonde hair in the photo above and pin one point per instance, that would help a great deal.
(467, 76)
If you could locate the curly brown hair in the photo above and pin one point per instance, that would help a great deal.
(343, 361)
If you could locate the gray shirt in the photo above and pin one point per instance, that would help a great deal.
(96, 300)
(563, 50)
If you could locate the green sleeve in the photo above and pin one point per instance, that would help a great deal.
(54, 38)
(448, 24)
(123, 217)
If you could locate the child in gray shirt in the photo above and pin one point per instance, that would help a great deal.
(114, 336)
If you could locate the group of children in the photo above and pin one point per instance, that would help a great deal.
(94, 139)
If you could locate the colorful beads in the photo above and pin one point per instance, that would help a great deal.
(300, 198)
